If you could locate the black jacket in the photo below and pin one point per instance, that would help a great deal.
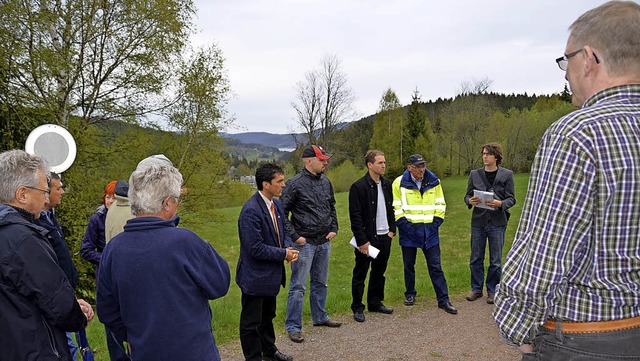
(37, 304)
(363, 207)
(309, 198)
(502, 189)
(59, 245)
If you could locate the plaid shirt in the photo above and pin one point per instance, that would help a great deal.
(576, 254)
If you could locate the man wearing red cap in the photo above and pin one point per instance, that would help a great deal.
(309, 198)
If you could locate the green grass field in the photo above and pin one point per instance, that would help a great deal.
(219, 227)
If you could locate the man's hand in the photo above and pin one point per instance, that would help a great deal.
(474, 201)
(301, 241)
(331, 235)
(292, 255)
(495, 203)
(364, 249)
(86, 309)
(526, 348)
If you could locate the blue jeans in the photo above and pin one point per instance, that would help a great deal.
(559, 346)
(312, 260)
(479, 237)
(432, 256)
(73, 348)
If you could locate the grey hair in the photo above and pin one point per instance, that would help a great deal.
(18, 168)
(149, 186)
(156, 159)
(612, 29)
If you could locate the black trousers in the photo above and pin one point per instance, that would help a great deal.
(256, 327)
(375, 293)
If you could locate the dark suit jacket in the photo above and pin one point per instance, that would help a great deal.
(503, 190)
(260, 270)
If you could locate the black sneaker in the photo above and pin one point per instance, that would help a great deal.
(278, 356)
(409, 300)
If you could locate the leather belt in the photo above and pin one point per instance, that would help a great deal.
(594, 327)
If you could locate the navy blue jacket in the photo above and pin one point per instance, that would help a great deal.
(93, 240)
(260, 270)
(59, 245)
(420, 235)
(37, 304)
(155, 281)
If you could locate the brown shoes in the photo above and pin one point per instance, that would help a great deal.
(296, 337)
(329, 323)
(490, 297)
(473, 295)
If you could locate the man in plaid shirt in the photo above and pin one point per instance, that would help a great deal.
(571, 282)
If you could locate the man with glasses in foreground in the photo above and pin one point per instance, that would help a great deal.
(155, 280)
(36, 298)
(419, 206)
(570, 282)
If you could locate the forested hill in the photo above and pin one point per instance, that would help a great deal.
(447, 129)
(449, 132)
(431, 108)
(280, 141)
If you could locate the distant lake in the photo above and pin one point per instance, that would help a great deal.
(286, 149)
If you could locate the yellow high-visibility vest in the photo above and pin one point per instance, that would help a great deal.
(416, 207)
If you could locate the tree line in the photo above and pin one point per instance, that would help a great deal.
(450, 132)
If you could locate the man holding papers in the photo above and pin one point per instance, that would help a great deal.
(490, 193)
(373, 225)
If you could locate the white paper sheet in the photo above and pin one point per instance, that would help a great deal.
(484, 198)
(373, 251)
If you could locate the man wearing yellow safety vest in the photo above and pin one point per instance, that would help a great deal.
(418, 202)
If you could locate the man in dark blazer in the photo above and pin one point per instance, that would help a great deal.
(373, 224)
(263, 249)
(488, 223)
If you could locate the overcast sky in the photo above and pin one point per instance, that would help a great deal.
(433, 46)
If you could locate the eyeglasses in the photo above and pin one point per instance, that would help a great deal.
(45, 191)
(563, 61)
(176, 199)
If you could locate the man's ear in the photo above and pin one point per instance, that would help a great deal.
(165, 203)
(21, 195)
(591, 62)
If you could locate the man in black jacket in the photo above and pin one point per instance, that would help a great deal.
(309, 198)
(36, 299)
(56, 239)
(372, 224)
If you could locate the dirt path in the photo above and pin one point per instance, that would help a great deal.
(420, 332)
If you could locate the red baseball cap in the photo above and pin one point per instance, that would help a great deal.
(315, 151)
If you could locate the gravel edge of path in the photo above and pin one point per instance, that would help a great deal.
(419, 332)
